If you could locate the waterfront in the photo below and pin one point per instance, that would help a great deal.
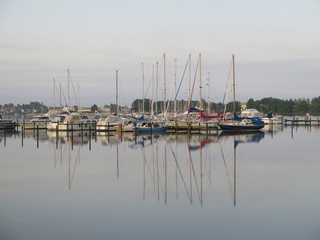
(161, 187)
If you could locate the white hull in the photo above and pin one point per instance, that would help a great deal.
(106, 127)
(272, 120)
(76, 126)
(34, 125)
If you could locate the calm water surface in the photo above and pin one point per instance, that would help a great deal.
(249, 186)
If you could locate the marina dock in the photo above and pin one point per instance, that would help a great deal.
(301, 122)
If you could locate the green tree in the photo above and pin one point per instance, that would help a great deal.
(94, 108)
(301, 106)
(315, 106)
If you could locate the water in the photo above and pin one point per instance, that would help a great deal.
(249, 186)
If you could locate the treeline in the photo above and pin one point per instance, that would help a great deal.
(31, 107)
(288, 107)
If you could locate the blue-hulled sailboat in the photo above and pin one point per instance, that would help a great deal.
(240, 123)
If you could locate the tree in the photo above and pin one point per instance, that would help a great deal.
(301, 106)
(94, 108)
(315, 106)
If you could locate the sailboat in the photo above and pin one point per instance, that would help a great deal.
(240, 123)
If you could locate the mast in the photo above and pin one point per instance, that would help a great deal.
(164, 83)
(68, 102)
(189, 75)
(117, 107)
(208, 93)
(142, 88)
(157, 84)
(78, 96)
(175, 87)
(54, 94)
(60, 100)
(234, 85)
(152, 102)
(200, 82)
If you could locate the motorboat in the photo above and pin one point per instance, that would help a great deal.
(271, 118)
(37, 122)
(74, 122)
(8, 124)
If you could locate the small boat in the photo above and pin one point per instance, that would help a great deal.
(74, 122)
(271, 118)
(240, 123)
(37, 122)
(107, 123)
(8, 124)
(52, 126)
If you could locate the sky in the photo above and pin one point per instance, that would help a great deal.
(275, 43)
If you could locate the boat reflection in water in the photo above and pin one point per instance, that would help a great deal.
(170, 166)
(239, 137)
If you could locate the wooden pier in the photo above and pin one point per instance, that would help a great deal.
(193, 128)
(302, 122)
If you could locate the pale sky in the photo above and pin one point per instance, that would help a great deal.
(276, 46)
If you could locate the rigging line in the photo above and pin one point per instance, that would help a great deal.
(147, 163)
(227, 86)
(226, 167)
(179, 85)
(194, 173)
(64, 97)
(75, 165)
(195, 77)
(225, 97)
(56, 91)
(74, 92)
(148, 88)
(185, 186)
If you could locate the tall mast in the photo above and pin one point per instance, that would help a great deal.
(200, 81)
(234, 85)
(189, 76)
(152, 91)
(117, 106)
(175, 86)
(54, 94)
(68, 87)
(60, 100)
(164, 83)
(208, 93)
(142, 88)
(157, 84)
(78, 96)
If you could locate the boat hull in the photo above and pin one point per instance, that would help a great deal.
(239, 127)
(153, 130)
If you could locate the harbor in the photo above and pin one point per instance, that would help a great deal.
(218, 178)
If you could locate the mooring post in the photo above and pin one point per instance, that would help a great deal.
(22, 136)
(89, 138)
(37, 136)
(207, 128)
(5, 138)
(71, 136)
